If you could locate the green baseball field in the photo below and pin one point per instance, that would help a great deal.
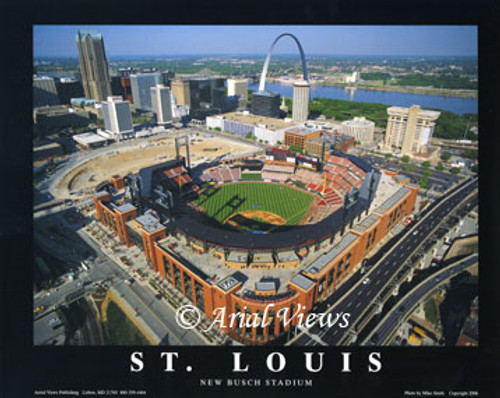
(262, 202)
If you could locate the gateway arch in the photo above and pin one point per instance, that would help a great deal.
(262, 85)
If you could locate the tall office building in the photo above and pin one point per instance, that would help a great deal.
(117, 118)
(93, 65)
(265, 103)
(409, 129)
(300, 109)
(237, 87)
(141, 84)
(162, 104)
(180, 90)
(44, 91)
(167, 77)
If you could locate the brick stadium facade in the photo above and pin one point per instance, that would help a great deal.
(312, 275)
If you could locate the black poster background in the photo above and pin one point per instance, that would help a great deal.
(24, 368)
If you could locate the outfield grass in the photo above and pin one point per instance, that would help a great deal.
(286, 202)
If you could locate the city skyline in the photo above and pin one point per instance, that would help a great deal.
(136, 40)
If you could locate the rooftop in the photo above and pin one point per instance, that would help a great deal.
(421, 112)
(89, 138)
(255, 120)
(287, 256)
(302, 281)
(304, 131)
(366, 223)
(266, 93)
(149, 222)
(327, 257)
(228, 283)
(125, 207)
(389, 203)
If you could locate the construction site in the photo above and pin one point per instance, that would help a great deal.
(84, 177)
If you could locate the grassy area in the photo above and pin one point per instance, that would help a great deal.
(250, 176)
(431, 312)
(120, 330)
(286, 202)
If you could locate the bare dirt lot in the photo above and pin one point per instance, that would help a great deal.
(145, 153)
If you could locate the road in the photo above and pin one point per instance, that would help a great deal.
(360, 298)
(405, 306)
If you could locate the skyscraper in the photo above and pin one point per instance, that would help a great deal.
(162, 105)
(300, 101)
(93, 65)
(180, 90)
(409, 129)
(141, 84)
(117, 118)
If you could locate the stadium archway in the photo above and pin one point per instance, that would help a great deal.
(262, 85)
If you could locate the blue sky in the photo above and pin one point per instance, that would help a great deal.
(59, 40)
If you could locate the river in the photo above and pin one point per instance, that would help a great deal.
(452, 104)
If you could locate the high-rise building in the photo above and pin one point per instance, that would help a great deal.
(237, 87)
(265, 103)
(162, 104)
(180, 90)
(167, 77)
(117, 118)
(360, 128)
(141, 84)
(93, 65)
(206, 92)
(300, 109)
(409, 129)
(44, 91)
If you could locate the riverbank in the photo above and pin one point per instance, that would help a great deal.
(472, 94)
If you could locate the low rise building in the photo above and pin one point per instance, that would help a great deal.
(297, 136)
(263, 128)
(360, 128)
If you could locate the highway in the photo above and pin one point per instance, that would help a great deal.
(361, 296)
(382, 333)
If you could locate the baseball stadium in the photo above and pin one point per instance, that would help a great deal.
(243, 232)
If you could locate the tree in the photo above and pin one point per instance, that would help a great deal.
(426, 164)
(427, 173)
(408, 168)
(455, 170)
(388, 155)
(405, 159)
(278, 142)
(440, 167)
(217, 129)
(471, 154)
(249, 135)
(446, 156)
(295, 148)
(423, 184)
(357, 142)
